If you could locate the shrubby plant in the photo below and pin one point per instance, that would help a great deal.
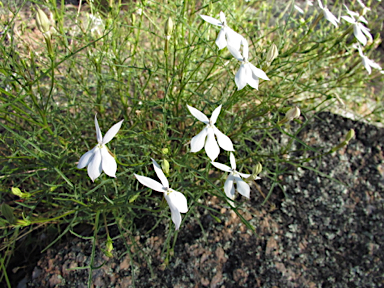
(117, 62)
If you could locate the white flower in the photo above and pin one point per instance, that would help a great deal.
(298, 9)
(209, 132)
(247, 73)
(226, 34)
(233, 177)
(99, 158)
(176, 200)
(328, 14)
(358, 28)
(368, 63)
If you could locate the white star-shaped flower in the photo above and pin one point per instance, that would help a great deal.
(328, 14)
(99, 158)
(358, 28)
(176, 200)
(247, 73)
(368, 63)
(234, 177)
(209, 132)
(226, 34)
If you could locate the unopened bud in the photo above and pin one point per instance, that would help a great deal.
(133, 18)
(350, 135)
(272, 53)
(168, 29)
(165, 166)
(165, 151)
(17, 192)
(42, 21)
(256, 170)
(292, 113)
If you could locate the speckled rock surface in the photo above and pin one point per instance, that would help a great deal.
(327, 232)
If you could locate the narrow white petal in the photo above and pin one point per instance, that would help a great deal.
(252, 80)
(229, 187)
(233, 161)
(235, 52)
(211, 20)
(179, 201)
(175, 213)
(160, 174)
(223, 140)
(330, 17)
(211, 147)
(242, 187)
(258, 72)
(221, 42)
(108, 163)
(359, 35)
(150, 183)
(366, 64)
(349, 19)
(365, 30)
(298, 9)
(86, 158)
(222, 167)
(215, 114)
(94, 167)
(112, 132)
(222, 17)
(198, 114)
(197, 142)
(241, 78)
(245, 48)
(99, 136)
(243, 175)
(234, 39)
(320, 4)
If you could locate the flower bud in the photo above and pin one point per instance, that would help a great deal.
(168, 28)
(350, 135)
(256, 170)
(292, 113)
(42, 21)
(165, 166)
(165, 151)
(272, 53)
(17, 192)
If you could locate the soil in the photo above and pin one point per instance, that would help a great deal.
(325, 230)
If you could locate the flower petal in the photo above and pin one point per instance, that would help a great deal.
(223, 140)
(233, 161)
(252, 80)
(235, 52)
(234, 39)
(229, 187)
(359, 34)
(197, 142)
(242, 187)
(112, 132)
(94, 167)
(258, 72)
(320, 4)
(246, 175)
(222, 167)
(330, 17)
(365, 30)
(178, 200)
(160, 174)
(214, 115)
(150, 183)
(198, 114)
(241, 78)
(366, 64)
(99, 136)
(86, 158)
(349, 19)
(108, 163)
(222, 17)
(221, 42)
(211, 20)
(211, 147)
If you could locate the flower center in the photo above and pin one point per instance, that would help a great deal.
(169, 191)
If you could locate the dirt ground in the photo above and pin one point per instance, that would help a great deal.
(323, 233)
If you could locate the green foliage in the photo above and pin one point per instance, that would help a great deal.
(126, 68)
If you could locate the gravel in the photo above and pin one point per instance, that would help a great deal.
(326, 232)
